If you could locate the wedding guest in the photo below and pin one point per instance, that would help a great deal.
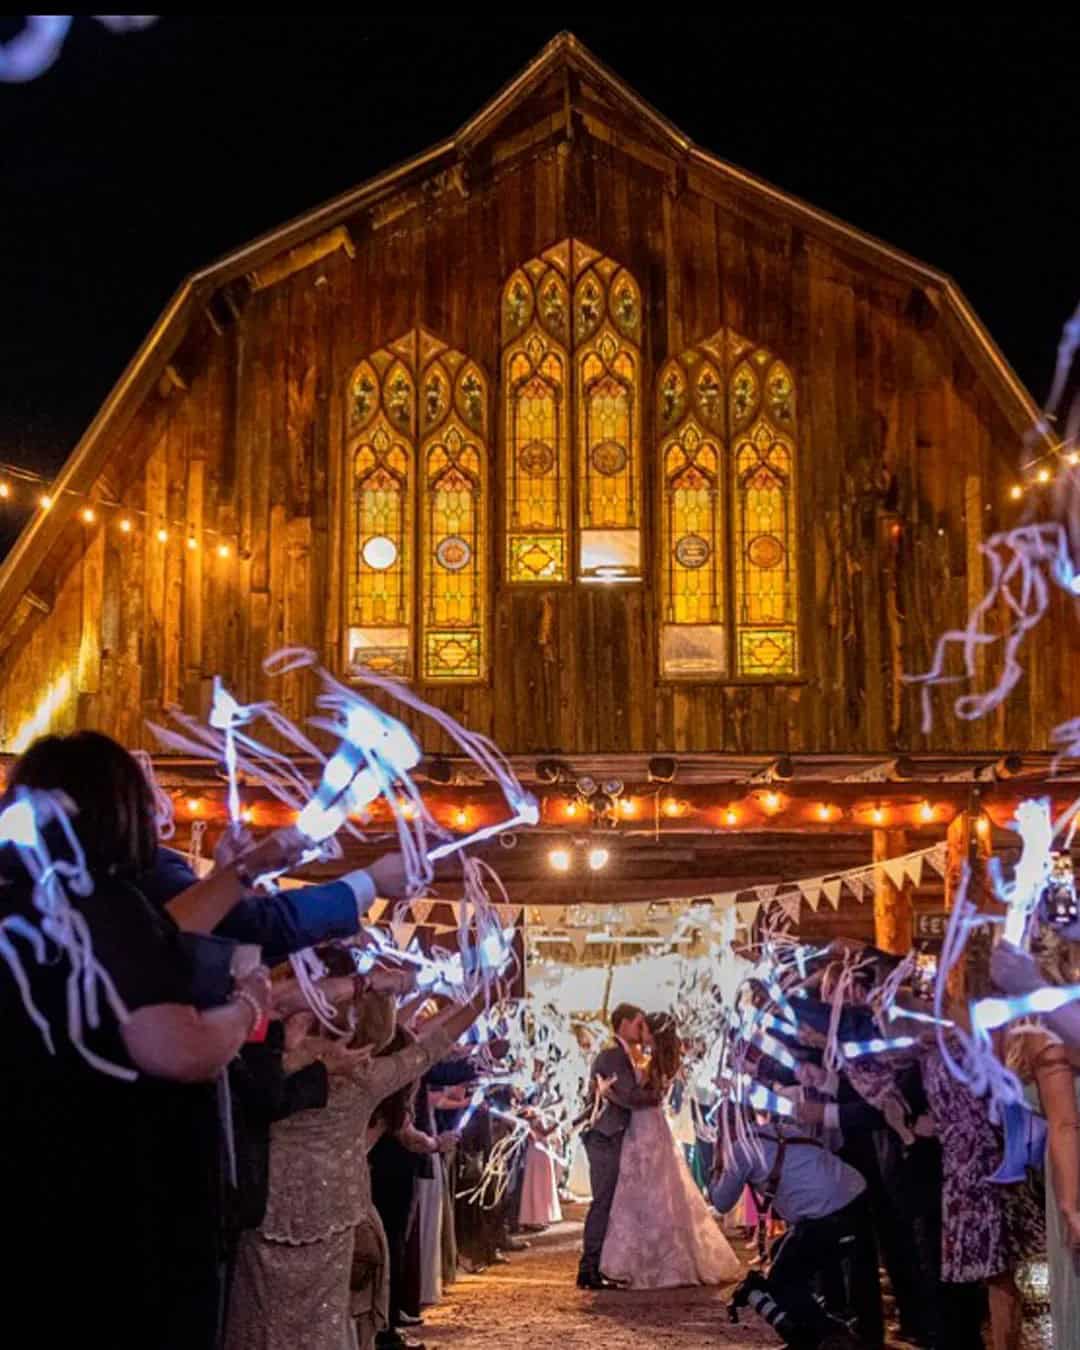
(134, 1164)
(539, 1207)
(293, 1275)
(823, 1202)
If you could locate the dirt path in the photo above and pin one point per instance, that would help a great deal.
(533, 1303)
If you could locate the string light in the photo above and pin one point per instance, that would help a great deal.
(163, 536)
(45, 501)
(408, 810)
(125, 526)
(194, 806)
(1073, 457)
(5, 492)
(926, 812)
(87, 515)
(1043, 475)
(628, 806)
(571, 809)
(598, 858)
(982, 827)
(223, 550)
(461, 817)
(772, 801)
(247, 815)
(824, 811)
(731, 816)
(559, 860)
(1016, 492)
(672, 807)
(192, 542)
(877, 815)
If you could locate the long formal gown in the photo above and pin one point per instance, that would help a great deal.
(661, 1234)
(539, 1189)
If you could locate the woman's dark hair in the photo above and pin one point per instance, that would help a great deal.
(394, 1111)
(667, 1048)
(114, 805)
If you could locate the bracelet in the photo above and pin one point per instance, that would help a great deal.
(242, 996)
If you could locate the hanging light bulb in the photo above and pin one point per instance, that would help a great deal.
(1043, 475)
(571, 809)
(461, 817)
(559, 860)
(223, 550)
(45, 502)
(5, 492)
(824, 811)
(926, 813)
(87, 514)
(598, 858)
(1016, 492)
(672, 807)
(877, 815)
(772, 801)
(192, 542)
(982, 826)
(163, 536)
(628, 807)
(731, 816)
(125, 526)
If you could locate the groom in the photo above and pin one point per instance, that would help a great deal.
(613, 1094)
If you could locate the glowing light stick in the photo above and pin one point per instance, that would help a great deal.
(37, 45)
(470, 1111)
(877, 1046)
(527, 813)
(762, 1098)
(990, 1013)
(1032, 869)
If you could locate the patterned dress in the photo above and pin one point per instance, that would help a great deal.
(986, 1228)
(291, 1287)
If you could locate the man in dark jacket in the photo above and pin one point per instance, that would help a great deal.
(614, 1094)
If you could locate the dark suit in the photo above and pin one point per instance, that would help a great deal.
(603, 1140)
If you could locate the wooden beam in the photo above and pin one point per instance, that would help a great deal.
(303, 255)
(893, 922)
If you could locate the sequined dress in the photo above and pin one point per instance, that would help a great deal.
(291, 1286)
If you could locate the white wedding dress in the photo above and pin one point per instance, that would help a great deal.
(661, 1234)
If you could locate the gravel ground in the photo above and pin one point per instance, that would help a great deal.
(532, 1302)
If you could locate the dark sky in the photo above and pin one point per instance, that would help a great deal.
(138, 158)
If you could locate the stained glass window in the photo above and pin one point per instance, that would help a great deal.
(417, 504)
(572, 312)
(726, 419)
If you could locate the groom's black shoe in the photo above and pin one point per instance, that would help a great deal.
(592, 1279)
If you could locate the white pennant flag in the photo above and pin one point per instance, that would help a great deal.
(914, 868)
(766, 894)
(812, 896)
(857, 882)
(748, 911)
(896, 870)
(832, 889)
(938, 859)
(403, 934)
(791, 905)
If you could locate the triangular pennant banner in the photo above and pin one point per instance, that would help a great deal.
(791, 905)
(832, 889)
(421, 910)
(578, 939)
(811, 886)
(938, 859)
(403, 934)
(766, 894)
(507, 914)
(377, 909)
(896, 870)
(748, 911)
(914, 869)
(856, 882)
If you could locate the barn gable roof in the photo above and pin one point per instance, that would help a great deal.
(590, 89)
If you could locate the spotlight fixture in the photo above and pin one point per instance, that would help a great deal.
(598, 858)
(548, 770)
(439, 770)
(586, 786)
(559, 860)
(508, 840)
(614, 787)
(662, 769)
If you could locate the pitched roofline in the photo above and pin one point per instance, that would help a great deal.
(86, 461)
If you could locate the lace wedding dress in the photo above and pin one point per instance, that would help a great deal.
(661, 1234)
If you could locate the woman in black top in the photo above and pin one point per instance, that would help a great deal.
(111, 1188)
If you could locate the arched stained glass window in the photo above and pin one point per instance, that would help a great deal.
(726, 418)
(572, 313)
(417, 419)
(454, 520)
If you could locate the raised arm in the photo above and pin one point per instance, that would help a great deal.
(1057, 1091)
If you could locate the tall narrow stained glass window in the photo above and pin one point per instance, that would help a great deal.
(726, 421)
(571, 332)
(417, 461)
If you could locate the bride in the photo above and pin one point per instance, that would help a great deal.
(661, 1234)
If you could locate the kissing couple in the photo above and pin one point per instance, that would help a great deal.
(648, 1226)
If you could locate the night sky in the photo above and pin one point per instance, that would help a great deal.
(139, 158)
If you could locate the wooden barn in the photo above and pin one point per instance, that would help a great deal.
(653, 473)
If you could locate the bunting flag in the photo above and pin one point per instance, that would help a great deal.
(791, 904)
(812, 896)
(766, 893)
(896, 870)
(832, 888)
(914, 868)
(578, 939)
(403, 934)
(938, 858)
(377, 909)
(748, 911)
(421, 910)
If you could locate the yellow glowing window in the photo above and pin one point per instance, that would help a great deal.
(571, 330)
(726, 415)
(416, 421)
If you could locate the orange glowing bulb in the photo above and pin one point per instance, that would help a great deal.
(671, 807)
(125, 526)
(247, 815)
(461, 817)
(163, 536)
(926, 812)
(46, 502)
(1043, 475)
(731, 816)
(88, 515)
(192, 542)
(824, 811)
(1016, 492)
(982, 826)
(223, 550)
(628, 806)
(5, 492)
(772, 801)
(877, 815)
(571, 808)
(194, 805)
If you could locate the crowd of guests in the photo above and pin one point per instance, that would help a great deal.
(892, 1156)
(261, 1177)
